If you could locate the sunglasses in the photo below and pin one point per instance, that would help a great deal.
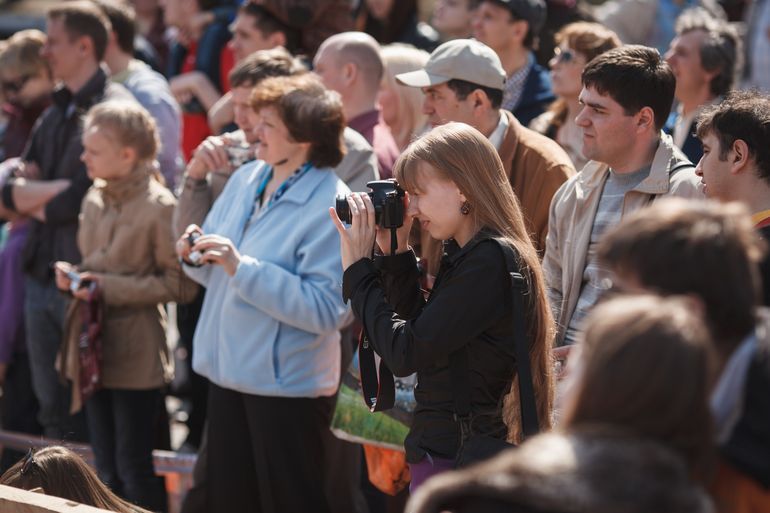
(14, 86)
(565, 56)
(29, 462)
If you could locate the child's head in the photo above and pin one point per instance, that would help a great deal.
(59, 472)
(118, 136)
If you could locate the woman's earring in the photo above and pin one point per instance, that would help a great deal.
(465, 209)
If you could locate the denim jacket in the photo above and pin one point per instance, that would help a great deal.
(272, 328)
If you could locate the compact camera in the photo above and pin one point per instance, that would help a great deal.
(239, 154)
(388, 200)
(76, 282)
(195, 256)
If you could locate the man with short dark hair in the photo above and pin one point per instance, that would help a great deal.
(463, 81)
(626, 97)
(511, 28)
(350, 63)
(149, 87)
(77, 34)
(736, 162)
(703, 57)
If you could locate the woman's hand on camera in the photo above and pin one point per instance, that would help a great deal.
(357, 241)
(216, 249)
(402, 234)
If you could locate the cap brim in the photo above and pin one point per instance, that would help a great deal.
(421, 78)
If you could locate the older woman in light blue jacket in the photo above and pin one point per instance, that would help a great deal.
(268, 338)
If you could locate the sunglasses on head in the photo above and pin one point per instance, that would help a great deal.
(563, 55)
(14, 86)
(29, 464)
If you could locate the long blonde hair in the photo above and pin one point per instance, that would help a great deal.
(460, 153)
(401, 58)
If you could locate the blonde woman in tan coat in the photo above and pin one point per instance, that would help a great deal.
(126, 240)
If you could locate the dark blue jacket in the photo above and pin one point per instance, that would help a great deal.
(692, 146)
(536, 96)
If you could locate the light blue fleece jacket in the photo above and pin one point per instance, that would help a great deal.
(272, 328)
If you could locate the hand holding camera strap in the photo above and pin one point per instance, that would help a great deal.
(378, 387)
(460, 371)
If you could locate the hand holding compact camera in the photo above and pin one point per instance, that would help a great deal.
(186, 243)
(68, 279)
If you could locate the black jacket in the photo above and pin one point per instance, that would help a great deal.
(55, 146)
(470, 306)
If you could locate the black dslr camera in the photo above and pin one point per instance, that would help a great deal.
(388, 200)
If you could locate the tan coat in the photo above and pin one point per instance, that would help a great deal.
(536, 167)
(572, 218)
(125, 237)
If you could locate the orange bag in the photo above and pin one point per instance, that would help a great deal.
(387, 468)
(735, 492)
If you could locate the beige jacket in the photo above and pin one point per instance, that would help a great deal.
(572, 217)
(126, 239)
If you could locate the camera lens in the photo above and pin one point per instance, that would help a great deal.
(343, 209)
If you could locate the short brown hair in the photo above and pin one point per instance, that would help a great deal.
(704, 248)
(123, 20)
(84, 19)
(276, 62)
(635, 76)
(312, 114)
(743, 115)
(22, 53)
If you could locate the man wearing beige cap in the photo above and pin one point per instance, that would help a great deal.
(463, 81)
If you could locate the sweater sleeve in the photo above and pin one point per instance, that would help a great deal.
(463, 306)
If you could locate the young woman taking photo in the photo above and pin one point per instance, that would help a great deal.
(458, 191)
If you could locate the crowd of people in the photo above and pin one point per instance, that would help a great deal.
(570, 255)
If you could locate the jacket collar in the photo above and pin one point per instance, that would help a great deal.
(453, 252)
(85, 97)
(657, 182)
(510, 143)
(126, 188)
(300, 192)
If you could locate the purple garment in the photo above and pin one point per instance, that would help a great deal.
(376, 132)
(12, 292)
(428, 467)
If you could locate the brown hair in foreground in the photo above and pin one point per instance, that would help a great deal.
(646, 367)
(460, 153)
(59, 472)
(702, 248)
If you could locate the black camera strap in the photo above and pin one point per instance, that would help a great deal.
(378, 387)
(459, 367)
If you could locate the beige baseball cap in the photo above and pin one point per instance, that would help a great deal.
(459, 59)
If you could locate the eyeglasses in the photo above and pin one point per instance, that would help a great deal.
(14, 86)
(564, 56)
(29, 462)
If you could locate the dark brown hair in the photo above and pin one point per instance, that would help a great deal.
(703, 248)
(84, 19)
(743, 115)
(276, 62)
(635, 76)
(62, 473)
(268, 24)
(312, 114)
(123, 20)
(647, 365)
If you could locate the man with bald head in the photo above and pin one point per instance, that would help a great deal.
(350, 64)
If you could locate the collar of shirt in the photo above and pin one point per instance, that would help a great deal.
(514, 84)
(453, 252)
(133, 65)
(497, 136)
(365, 122)
(83, 98)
